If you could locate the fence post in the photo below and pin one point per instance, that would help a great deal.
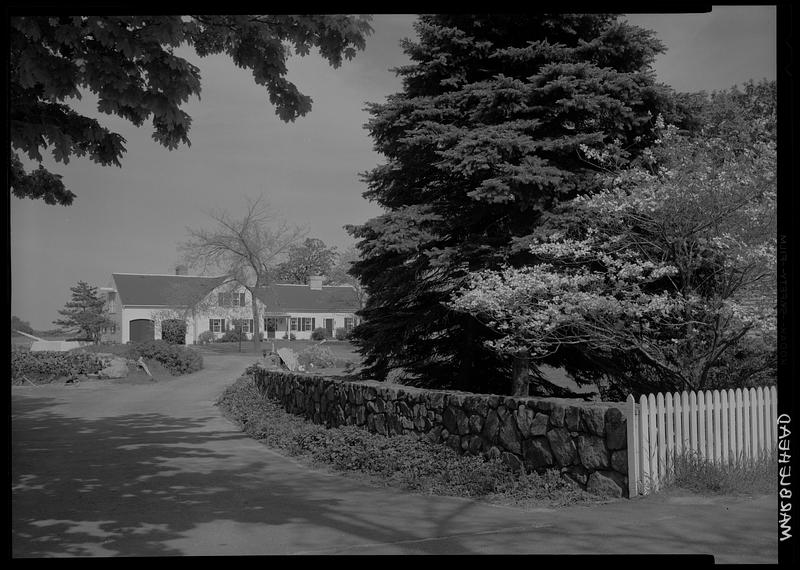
(739, 424)
(670, 433)
(774, 392)
(717, 426)
(693, 422)
(662, 439)
(724, 406)
(653, 441)
(519, 374)
(760, 421)
(709, 426)
(678, 407)
(644, 444)
(633, 446)
(701, 424)
(748, 431)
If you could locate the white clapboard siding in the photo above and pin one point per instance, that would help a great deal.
(723, 427)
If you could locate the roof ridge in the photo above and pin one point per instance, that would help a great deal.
(170, 275)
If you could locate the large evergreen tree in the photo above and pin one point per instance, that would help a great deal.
(483, 141)
(84, 313)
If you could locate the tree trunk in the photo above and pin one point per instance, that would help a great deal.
(519, 375)
(256, 324)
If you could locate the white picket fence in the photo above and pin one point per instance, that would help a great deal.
(720, 426)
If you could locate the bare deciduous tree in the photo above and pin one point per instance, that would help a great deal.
(247, 249)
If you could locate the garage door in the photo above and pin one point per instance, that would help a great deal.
(142, 330)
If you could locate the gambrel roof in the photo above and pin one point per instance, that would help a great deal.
(164, 290)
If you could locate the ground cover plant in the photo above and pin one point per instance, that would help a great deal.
(739, 476)
(177, 359)
(401, 461)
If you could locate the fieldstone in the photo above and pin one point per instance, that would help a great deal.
(509, 435)
(514, 462)
(619, 460)
(600, 483)
(578, 473)
(361, 415)
(436, 400)
(593, 452)
(493, 453)
(539, 424)
(490, 427)
(475, 444)
(593, 420)
(116, 367)
(476, 405)
(453, 442)
(455, 420)
(537, 453)
(380, 424)
(524, 420)
(562, 446)
(475, 423)
(616, 429)
(369, 393)
(435, 435)
(421, 424)
(572, 418)
(404, 410)
(557, 415)
(380, 405)
(493, 401)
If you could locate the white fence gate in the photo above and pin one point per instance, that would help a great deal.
(719, 426)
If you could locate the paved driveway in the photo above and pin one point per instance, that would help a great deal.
(154, 470)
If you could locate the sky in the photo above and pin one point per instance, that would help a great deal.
(131, 219)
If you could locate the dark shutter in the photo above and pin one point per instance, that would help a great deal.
(210, 325)
(313, 323)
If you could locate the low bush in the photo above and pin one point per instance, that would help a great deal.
(233, 335)
(319, 334)
(403, 461)
(317, 356)
(205, 337)
(341, 334)
(177, 359)
(53, 364)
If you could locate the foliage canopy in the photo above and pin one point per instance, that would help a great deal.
(129, 62)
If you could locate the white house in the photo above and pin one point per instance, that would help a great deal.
(139, 303)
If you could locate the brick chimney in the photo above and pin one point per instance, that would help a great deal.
(315, 282)
(181, 270)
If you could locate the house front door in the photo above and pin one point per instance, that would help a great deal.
(329, 327)
(270, 325)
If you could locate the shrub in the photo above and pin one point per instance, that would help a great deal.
(292, 336)
(233, 335)
(319, 333)
(177, 359)
(205, 337)
(53, 363)
(341, 334)
(318, 356)
(173, 331)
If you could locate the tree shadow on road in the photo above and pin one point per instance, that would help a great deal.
(139, 484)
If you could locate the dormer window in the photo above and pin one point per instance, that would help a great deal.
(231, 299)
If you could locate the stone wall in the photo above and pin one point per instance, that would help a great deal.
(586, 440)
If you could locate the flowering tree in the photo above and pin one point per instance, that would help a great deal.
(658, 278)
